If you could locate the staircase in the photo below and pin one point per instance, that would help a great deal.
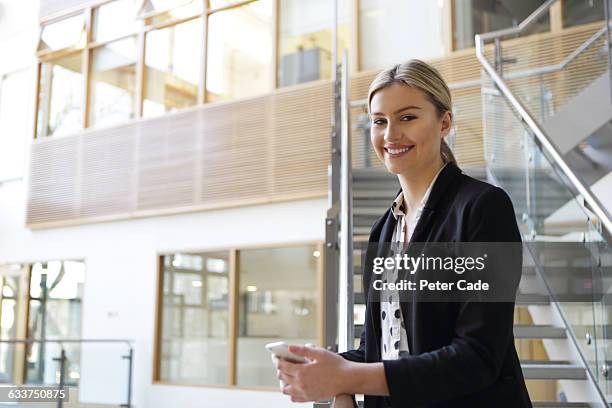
(373, 193)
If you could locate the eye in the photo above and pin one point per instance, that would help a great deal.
(408, 118)
(379, 121)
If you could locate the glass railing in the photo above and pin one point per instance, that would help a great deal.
(564, 238)
(94, 372)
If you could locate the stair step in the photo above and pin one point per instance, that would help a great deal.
(361, 230)
(369, 211)
(539, 332)
(552, 370)
(524, 299)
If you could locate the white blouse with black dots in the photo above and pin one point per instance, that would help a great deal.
(394, 338)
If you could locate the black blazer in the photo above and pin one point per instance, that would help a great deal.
(461, 353)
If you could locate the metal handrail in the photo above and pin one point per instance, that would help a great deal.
(62, 359)
(593, 202)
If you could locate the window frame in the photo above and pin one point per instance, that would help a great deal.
(233, 308)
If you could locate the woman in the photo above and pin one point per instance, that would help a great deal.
(423, 354)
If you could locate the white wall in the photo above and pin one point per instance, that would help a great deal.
(121, 264)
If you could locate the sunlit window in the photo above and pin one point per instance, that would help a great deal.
(195, 318)
(115, 19)
(158, 11)
(172, 71)
(305, 40)
(69, 32)
(113, 83)
(239, 51)
(56, 293)
(214, 4)
(278, 301)
(60, 98)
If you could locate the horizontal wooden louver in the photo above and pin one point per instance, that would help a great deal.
(264, 149)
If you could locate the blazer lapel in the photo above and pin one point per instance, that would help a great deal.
(445, 180)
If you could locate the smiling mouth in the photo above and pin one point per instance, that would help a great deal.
(396, 152)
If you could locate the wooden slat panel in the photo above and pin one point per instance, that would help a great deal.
(107, 173)
(53, 193)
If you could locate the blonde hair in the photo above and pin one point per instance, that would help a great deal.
(420, 75)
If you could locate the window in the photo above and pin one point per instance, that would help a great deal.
(115, 19)
(9, 301)
(159, 11)
(56, 292)
(392, 31)
(194, 317)
(576, 12)
(69, 32)
(305, 39)
(15, 122)
(113, 83)
(471, 17)
(239, 51)
(171, 71)
(278, 301)
(276, 298)
(60, 97)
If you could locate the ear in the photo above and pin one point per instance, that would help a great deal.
(446, 123)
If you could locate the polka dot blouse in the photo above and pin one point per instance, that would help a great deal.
(394, 338)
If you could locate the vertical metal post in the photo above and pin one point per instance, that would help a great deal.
(332, 220)
(130, 359)
(345, 293)
(62, 368)
(43, 324)
(499, 59)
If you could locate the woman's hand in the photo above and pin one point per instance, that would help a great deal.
(322, 378)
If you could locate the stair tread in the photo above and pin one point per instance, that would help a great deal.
(552, 370)
(539, 332)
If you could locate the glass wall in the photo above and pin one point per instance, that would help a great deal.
(60, 97)
(471, 17)
(56, 293)
(239, 51)
(305, 39)
(194, 317)
(172, 71)
(113, 82)
(278, 302)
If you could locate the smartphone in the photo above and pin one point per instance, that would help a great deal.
(281, 349)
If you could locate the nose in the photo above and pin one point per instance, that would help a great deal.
(392, 133)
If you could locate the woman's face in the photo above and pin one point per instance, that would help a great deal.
(406, 130)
